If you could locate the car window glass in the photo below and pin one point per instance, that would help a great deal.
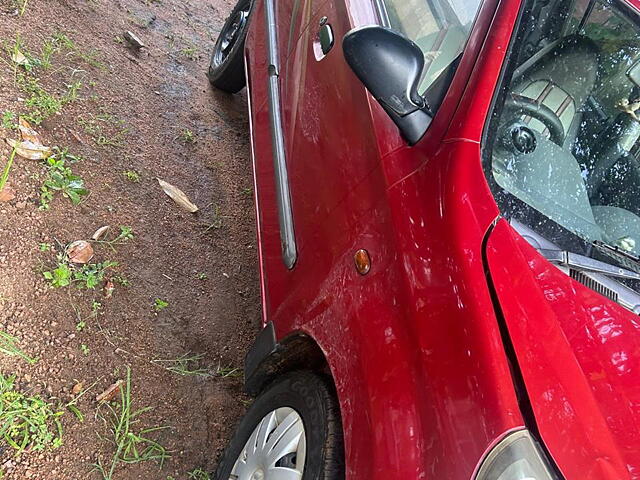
(439, 27)
(565, 136)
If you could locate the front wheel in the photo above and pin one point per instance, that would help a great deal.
(226, 70)
(291, 432)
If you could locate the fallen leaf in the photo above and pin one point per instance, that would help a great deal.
(80, 251)
(7, 194)
(110, 392)
(28, 133)
(100, 232)
(18, 58)
(77, 388)
(178, 196)
(109, 288)
(30, 150)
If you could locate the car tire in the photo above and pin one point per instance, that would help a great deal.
(226, 69)
(266, 436)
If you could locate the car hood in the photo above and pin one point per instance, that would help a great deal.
(578, 358)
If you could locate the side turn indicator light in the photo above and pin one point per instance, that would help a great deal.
(362, 261)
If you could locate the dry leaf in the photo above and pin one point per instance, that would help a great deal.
(30, 150)
(18, 58)
(28, 133)
(109, 288)
(7, 194)
(178, 196)
(100, 232)
(77, 388)
(110, 392)
(80, 251)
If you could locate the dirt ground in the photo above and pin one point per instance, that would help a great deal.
(150, 113)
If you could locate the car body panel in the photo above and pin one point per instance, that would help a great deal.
(415, 347)
(579, 353)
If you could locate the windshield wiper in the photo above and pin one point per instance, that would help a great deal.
(587, 264)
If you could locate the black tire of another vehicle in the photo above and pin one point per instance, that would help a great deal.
(313, 399)
(226, 71)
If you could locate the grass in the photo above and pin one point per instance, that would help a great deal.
(185, 365)
(159, 304)
(130, 446)
(8, 346)
(198, 474)
(27, 422)
(61, 179)
(226, 372)
(7, 168)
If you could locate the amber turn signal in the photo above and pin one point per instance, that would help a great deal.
(362, 261)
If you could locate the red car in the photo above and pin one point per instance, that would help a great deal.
(448, 206)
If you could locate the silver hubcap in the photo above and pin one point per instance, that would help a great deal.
(275, 450)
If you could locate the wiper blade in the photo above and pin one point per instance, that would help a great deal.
(587, 264)
(617, 250)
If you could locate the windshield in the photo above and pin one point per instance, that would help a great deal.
(563, 149)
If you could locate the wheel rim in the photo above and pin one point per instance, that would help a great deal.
(275, 450)
(231, 33)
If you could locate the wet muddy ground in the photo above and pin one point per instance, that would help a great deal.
(185, 284)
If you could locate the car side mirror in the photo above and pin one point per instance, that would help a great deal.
(390, 66)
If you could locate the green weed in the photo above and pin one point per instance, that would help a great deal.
(130, 446)
(9, 120)
(187, 136)
(184, 365)
(60, 178)
(131, 175)
(27, 422)
(159, 304)
(41, 103)
(44, 247)
(198, 474)
(190, 52)
(88, 276)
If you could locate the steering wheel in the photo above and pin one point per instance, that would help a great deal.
(521, 105)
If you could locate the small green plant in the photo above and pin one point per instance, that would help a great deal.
(87, 276)
(44, 247)
(185, 365)
(159, 304)
(9, 346)
(198, 474)
(80, 325)
(126, 233)
(202, 276)
(122, 280)
(84, 349)
(190, 52)
(9, 120)
(60, 178)
(187, 136)
(41, 103)
(131, 175)
(27, 422)
(130, 446)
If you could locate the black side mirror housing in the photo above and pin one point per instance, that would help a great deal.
(390, 66)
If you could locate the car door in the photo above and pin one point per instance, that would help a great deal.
(327, 143)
